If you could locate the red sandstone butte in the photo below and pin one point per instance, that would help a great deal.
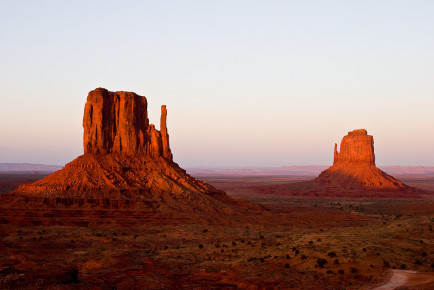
(117, 122)
(354, 166)
(125, 157)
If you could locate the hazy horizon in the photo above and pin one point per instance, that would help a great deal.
(246, 83)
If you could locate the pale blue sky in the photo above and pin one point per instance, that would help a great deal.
(246, 83)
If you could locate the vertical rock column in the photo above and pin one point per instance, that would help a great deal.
(164, 135)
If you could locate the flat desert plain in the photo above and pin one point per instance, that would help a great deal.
(299, 241)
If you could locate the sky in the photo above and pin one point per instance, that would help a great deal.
(246, 83)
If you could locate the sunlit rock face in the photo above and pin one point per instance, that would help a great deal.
(354, 166)
(117, 122)
(125, 157)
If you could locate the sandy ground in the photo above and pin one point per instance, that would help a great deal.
(406, 278)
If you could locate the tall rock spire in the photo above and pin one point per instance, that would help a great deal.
(166, 152)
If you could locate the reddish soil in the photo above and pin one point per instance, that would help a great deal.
(299, 187)
(11, 180)
(278, 242)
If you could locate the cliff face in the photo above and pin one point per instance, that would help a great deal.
(357, 147)
(125, 157)
(117, 122)
(354, 166)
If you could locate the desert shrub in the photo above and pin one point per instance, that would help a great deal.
(287, 256)
(205, 231)
(332, 254)
(262, 260)
(341, 271)
(286, 265)
(336, 262)
(424, 254)
(294, 249)
(275, 257)
(71, 277)
(386, 263)
(303, 257)
(403, 266)
(217, 245)
(242, 241)
(310, 242)
(234, 244)
(329, 271)
(321, 262)
(318, 240)
(432, 265)
(364, 249)
(135, 236)
(200, 246)
(297, 252)
(420, 241)
(353, 270)
(418, 262)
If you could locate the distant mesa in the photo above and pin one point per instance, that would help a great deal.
(354, 166)
(125, 157)
(28, 168)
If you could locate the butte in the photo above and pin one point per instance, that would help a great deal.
(126, 161)
(354, 166)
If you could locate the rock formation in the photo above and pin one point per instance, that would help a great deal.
(125, 157)
(117, 122)
(354, 167)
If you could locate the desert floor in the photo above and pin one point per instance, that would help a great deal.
(308, 243)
